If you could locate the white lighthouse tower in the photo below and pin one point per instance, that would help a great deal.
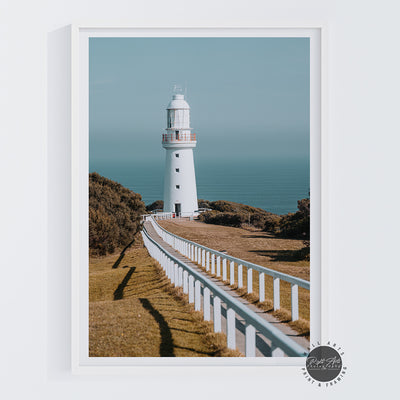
(180, 193)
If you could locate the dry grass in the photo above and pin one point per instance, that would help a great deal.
(135, 312)
(260, 248)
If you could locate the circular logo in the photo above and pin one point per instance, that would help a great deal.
(324, 363)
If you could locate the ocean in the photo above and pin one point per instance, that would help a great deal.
(274, 185)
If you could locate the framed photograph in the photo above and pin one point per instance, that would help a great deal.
(198, 197)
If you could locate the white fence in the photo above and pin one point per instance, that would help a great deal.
(168, 215)
(161, 215)
(212, 260)
(194, 283)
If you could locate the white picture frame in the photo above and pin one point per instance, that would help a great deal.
(81, 362)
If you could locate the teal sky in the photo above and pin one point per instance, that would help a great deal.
(249, 97)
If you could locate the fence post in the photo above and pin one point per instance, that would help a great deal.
(206, 304)
(224, 274)
(232, 273)
(249, 280)
(207, 261)
(217, 314)
(213, 263)
(180, 276)
(191, 289)
(168, 263)
(295, 302)
(176, 278)
(195, 253)
(197, 297)
(172, 271)
(185, 282)
(203, 258)
(250, 341)
(261, 286)
(231, 329)
(277, 297)
(218, 265)
(240, 276)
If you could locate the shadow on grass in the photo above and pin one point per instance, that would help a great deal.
(167, 343)
(122, 254)
(258, 237)
(119, 292)
(279, 255)
(272, 236)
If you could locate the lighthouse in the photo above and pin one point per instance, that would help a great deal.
(180, 193)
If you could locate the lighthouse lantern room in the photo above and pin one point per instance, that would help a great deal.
(180, 193)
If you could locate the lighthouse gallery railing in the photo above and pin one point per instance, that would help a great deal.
(180, 137)
(191, 281)
(206, 256)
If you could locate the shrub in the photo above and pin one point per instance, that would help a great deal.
(218, 218)
(304, 253)
(114, 215)
(292, 225)
(157, 205)
(203, 203)
(230, 213)
(272, 223)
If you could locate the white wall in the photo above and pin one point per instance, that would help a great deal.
(363, 108)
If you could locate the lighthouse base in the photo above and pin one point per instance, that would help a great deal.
(180, 193)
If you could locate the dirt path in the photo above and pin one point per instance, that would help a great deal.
(132, 312)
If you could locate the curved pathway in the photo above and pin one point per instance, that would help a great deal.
(262, 344)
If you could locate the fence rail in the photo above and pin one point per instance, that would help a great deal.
(169, 215)
(212, 260)
(182, 275)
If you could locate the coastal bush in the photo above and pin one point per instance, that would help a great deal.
(292, 225)
(304, 253)
(258, 220)
(114, 215)
(222, 218)
(272, 223)
(230, 213)
(230, 206)
(156, 205)
(297, 225)
(203, 203)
